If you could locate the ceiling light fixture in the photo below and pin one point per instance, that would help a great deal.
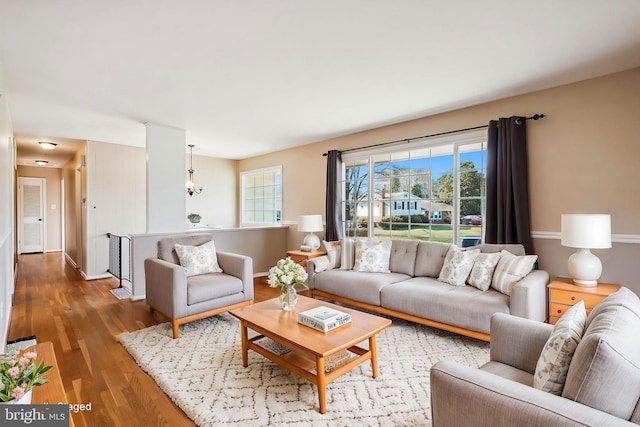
(41, 162)
(192, 187)
(47, 145)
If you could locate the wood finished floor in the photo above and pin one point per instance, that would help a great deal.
(83, 319)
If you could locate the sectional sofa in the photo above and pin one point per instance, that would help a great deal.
(410, 289)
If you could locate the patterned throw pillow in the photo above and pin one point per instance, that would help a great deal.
(198, 259)
(482, 271)
(333, 253)
(457, 265)
(321, 263)
(347, 253)
(510, 270)
(553, 364)
(372, 255)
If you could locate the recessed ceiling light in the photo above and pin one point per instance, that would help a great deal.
(41, 162)
(47, 145)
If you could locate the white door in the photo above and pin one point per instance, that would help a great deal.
(31, 214)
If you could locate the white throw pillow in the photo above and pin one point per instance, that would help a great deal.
(347, 253)
(457, 265)
(321, 263)
(333, 253)
(198, 259)
(553, 364)
(482, 271)
(372, 255)
(510, 270)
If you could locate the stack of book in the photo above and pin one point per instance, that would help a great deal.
(323, 319)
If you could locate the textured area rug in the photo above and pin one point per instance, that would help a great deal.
(202, 373)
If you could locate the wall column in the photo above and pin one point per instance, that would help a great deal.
(166, 178)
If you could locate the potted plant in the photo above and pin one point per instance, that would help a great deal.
(286, 274)
(194, 218)
(19, 374)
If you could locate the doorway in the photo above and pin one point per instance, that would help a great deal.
(31, 220)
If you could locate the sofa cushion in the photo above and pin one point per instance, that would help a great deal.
(490, 248)
(363, 287)
(605, 369)
(198, 259)
(553, 364)
(509, 372)
(333, 253)
(205, 287)
(430, 258)
(166, 246)
(510, 270)
(482, 271)
(403, 256)
(372, 255)
(428, 298)
(457, 266)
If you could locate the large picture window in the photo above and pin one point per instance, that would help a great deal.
(434, 191)
(261, 196)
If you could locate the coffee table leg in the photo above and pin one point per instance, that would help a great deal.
(245, 349)
(374, 356)
(322, 384)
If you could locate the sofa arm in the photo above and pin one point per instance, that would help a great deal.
(311, 273)
(518, 342)
(463, 396)
(166, 287)
(529, 296)
(240, 266)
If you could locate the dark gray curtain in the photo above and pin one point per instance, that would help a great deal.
(508, 219)
(333, 213)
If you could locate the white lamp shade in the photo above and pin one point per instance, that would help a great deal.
(310, 223)
(591, 231)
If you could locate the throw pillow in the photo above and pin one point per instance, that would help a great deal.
(510, 270)
(347, 253)
(553, 364)
(321, 263)
(372, 255)
(482, 271)
(457, 265)
(198, 259)
(333, 253)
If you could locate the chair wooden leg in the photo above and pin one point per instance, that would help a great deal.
(175, 327)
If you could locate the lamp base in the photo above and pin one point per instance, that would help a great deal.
(311, 241)
(585, 268)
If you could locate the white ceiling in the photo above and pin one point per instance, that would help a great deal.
(254, 76)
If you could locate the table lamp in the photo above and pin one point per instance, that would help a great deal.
(310, 224)
(585, 232)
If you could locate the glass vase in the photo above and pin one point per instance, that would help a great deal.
(288, 298)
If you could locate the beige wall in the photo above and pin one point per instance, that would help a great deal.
(582, 158)
(53, 216)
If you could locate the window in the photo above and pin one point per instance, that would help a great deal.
(261, 196)
(435, 191)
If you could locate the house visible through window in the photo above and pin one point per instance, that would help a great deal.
(261, 196)
(434, 191)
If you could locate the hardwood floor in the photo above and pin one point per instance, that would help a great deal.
(83, 319)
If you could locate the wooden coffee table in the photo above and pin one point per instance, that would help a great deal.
(309, 348)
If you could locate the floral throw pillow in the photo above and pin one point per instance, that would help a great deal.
(553, 364)
(482, 271)
(457, 265)
(198, 259)
(372, 255)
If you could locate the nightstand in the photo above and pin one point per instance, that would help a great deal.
(301, 257)
(563, 293)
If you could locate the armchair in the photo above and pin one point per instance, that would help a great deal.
(184, 299)
(603, 375)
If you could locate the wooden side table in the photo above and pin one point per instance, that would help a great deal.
(563, 293)
(301, 257)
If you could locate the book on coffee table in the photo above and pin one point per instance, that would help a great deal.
(323, 319)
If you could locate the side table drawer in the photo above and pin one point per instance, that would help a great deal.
(570, 298)
(558, 310)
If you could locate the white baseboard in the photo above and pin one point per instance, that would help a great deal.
(70, 260)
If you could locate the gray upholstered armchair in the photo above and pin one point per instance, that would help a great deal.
(602, 386)
(185, 299)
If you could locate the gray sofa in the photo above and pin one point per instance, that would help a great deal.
(411, 290)
(185, 299)
(602, 386)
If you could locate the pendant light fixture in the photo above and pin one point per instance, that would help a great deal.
(192, 187)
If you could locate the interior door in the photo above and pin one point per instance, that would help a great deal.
(31, 216)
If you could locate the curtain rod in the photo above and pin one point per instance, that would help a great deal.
(408, 140)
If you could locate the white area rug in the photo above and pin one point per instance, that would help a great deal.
(202, 373)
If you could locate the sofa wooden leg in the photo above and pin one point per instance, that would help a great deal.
(175, 327)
